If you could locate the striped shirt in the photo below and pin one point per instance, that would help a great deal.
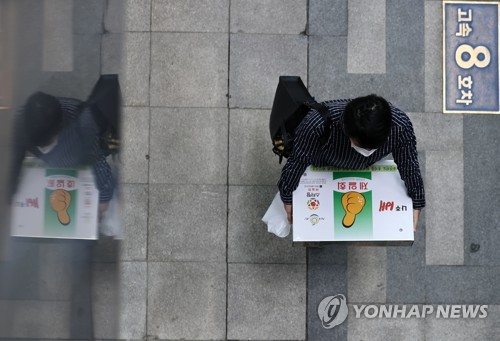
(339, 153)
(77, 144)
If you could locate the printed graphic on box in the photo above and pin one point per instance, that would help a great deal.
(352, 205)
(55, 203)
(332, 204)
(61, 194)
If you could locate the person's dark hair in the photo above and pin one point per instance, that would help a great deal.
(368, 120)
(43, 118)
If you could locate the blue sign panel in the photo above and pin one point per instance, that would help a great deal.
(471, 73)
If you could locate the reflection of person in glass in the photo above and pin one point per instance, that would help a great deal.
(63, 133)
(60, 200)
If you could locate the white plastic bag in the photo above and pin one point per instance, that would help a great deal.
(276, 218)
(111, 224)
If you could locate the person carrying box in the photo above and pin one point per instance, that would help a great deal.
(63, 133)
(362, 131)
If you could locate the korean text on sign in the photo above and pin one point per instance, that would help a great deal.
(471, 72)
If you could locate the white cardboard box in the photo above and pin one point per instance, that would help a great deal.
(369, 205)
(55, 202)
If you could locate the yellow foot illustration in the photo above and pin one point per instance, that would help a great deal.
(59, 201)
(353, 203)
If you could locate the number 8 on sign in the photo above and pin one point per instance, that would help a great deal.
(473, 52)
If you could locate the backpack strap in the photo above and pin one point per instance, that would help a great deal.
(325, 113)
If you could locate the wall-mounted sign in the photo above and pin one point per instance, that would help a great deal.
(470, 57)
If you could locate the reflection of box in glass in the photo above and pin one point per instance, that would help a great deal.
(55, 202)
(368, 205)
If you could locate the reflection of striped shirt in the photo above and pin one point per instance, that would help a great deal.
(77, 144)
(339, 153)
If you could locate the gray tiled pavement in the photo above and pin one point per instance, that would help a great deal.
(266, 16)
(135, 217)
(191, 143)
(80, 80)
(250, 162)
(385, 329)
(135, 152)
(128, 16)
(480, 187)
(445, 222)
(326, 273)
(367, 41)
(189, 236)
(128, 54)
(57, 36)
(182, 292)
(190, 16)
(258, 294)
(251, 82)
(248, 239)
(197, 61)
(327, 17)
(366, 274)
(433, 56)
(198, 78)
(406, 270)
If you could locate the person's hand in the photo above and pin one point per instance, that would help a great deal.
(103, 206)
(416, 215)
(289, 213)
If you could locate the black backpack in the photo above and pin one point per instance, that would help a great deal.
(105, 104)
(292, 102)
